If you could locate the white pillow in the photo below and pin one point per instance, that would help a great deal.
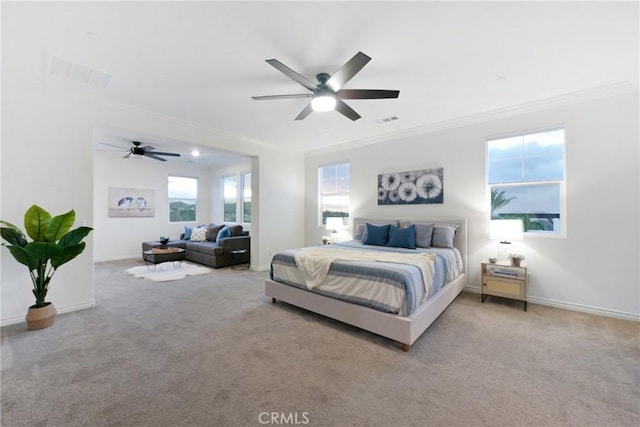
(199, 234)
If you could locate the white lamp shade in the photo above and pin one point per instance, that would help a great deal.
(334, 223)
(506, 229)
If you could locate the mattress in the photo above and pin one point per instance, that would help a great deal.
(385, 286)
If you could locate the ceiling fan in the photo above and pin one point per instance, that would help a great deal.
(328, 94)
(147, 151)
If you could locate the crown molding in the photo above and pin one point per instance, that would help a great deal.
(604, 91)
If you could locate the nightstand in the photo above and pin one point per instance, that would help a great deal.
(501, 279)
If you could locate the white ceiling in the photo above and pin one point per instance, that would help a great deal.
(202, 61)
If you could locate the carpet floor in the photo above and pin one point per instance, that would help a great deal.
(211, 350)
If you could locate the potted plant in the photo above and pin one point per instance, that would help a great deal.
(516, 259)
(52, 244)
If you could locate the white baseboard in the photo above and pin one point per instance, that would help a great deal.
(61, 310)
(572, 306)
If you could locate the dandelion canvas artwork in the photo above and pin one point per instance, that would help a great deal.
(410, 188)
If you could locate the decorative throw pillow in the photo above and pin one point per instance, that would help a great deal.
(199, 234)
(361, 228)
(402, 237)
(187, 233)
(212, 232)
(443, 235)
(423, 235)
(376, 235)
(224, 232)
(236, 230)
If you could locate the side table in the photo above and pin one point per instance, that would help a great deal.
(504, 280)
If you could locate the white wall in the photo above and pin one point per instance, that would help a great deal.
(595, 268)
(47, 158)
(121, 238)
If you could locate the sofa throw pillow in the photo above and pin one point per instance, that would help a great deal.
(377, 235)
(198, 234)
(443, 235)
(424, 233)
(212, 231)
(236, 230)
(224, 232)
(402, 237)
(187, 233)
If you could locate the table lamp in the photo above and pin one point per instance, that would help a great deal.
(332, 224)
(505, 231)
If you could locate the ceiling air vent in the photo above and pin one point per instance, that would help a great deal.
(387, 119)
(78, 73)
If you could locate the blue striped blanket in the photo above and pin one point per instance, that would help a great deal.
(386, 286)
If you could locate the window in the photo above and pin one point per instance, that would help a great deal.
(245, 181)
(229, 195)
(525, 175)
(333, 191)
(183, 198)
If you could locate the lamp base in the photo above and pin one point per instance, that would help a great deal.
(503, 251)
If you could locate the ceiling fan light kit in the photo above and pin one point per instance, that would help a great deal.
(328, 94)
(323, 102)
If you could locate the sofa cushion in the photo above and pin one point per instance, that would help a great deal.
(208, 248)
(212, 231)
(198, 234)
(236, 230)
(224, 232)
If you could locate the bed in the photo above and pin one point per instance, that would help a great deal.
(371, 287)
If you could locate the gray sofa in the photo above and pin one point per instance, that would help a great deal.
(233, 250)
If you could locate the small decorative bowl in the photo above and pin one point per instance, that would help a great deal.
(164, 240)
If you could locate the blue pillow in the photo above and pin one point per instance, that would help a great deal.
(402, 237)
(187, 233)
(423, 235)
(376, 235)
(224, 232)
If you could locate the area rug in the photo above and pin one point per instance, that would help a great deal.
(168, 271)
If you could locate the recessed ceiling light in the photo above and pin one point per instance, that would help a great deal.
(195, 153)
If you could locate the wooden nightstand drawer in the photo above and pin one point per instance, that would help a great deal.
(505, 281)
(510, 288)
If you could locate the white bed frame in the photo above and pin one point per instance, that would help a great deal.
(405, 330)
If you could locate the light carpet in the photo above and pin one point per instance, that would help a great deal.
(167, 271)
(215, 352)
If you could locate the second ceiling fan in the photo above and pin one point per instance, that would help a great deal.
(328, 94)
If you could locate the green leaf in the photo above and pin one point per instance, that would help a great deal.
(42, 252)
(67, 254)
(13, 236)
(74, 236)
(22, 256)
(36, 221)
(59, 226)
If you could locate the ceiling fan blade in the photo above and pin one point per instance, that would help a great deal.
(367, 94)
(126, 156)
(111, 145)
(347, 71)
(161, 153)
(302, 95)
(291, 74)
(146, 148)
(304, 113)
(153, 156)
(345, 110)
